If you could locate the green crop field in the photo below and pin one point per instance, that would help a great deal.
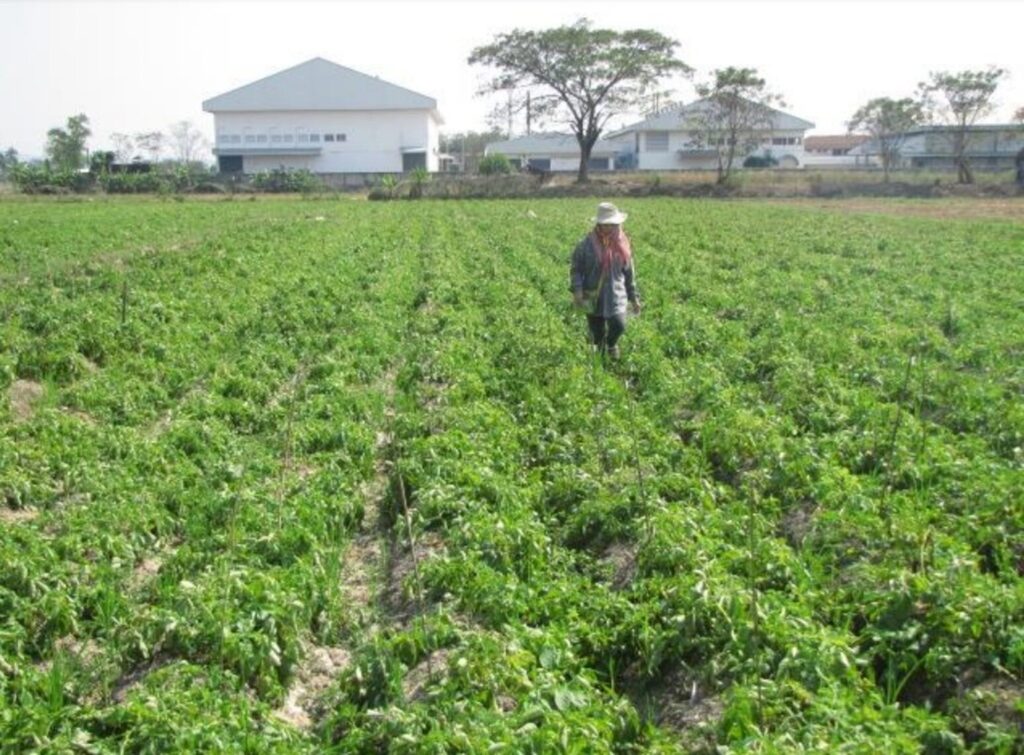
(336, 476)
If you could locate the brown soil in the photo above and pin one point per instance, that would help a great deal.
(677, 703)
(964, 208)
(797, 522)
(134, 678)
(419, 678)
(318, 670)
(84, 650)
(622, 559)
(22, 394)
(16, 516)
(83, 417)
(400, 595)
(144, 572)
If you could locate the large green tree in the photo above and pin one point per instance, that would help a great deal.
(734, 112)
(887, 121)
(958, 100)
(66, 146)
(593, 74)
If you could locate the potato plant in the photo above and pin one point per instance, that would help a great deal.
(239, 435)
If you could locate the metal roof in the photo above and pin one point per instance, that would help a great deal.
(833, 141)
(319, 84)
(551, 144)
(676, 118)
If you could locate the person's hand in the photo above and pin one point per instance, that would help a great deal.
(577, 299)
(635, 306)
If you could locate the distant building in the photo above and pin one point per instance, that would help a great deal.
(833, 145)
(668, 140)
(324, 118)
(553, 152)
(989, 147)
(833, 150)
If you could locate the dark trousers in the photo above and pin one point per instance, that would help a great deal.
(605, 331)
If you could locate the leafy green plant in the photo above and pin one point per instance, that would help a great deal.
(493, 165)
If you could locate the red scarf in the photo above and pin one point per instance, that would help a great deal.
(612, 243)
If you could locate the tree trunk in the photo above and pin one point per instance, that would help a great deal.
(723, 174)
(586, 146)
(964, 173)
(963, 168)
(582, 175)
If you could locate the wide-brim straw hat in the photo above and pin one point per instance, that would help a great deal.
(609, 214)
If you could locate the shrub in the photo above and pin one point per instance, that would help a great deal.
(384, 190)
(282, 180)
(40, 179)
(418, 179)
(495, 165)
(134, 183)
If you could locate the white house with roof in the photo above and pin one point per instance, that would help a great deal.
(324, 118)
(667, 140)
(553, 152)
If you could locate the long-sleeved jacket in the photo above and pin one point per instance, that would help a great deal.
(607, 294)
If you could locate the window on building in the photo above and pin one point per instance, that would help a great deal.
(340, 137)
(303, 138)
(236, 139)
(597, 163)
(657, 141)
(249, 139)
(275, 138)
(328, 137)
(314, 138)
(261, 138)
(784, 140)
(288, 138)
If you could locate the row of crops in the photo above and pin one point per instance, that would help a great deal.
(303, 476)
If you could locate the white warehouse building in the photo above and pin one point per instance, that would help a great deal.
(667, 140)
(324, 118)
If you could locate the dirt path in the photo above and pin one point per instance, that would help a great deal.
(965, 208)
(363, 571)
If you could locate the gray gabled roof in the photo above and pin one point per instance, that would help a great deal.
(319, 84)
(676, 117)
(549, 144)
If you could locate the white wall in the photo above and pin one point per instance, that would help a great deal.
(373, 139)
(836, 161)
(670, 159)
(259, 163)
(433, 142)
(558, 162)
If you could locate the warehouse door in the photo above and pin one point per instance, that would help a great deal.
(413, 160)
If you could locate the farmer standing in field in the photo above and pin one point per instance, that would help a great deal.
(601, 279)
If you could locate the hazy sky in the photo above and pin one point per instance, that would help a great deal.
(140, 66)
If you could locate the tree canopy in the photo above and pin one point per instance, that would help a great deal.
(594, 74)
(66, 146)
(959, 100)
(735, 105)
(887, 121)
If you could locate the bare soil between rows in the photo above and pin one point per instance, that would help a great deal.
(963, 208)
